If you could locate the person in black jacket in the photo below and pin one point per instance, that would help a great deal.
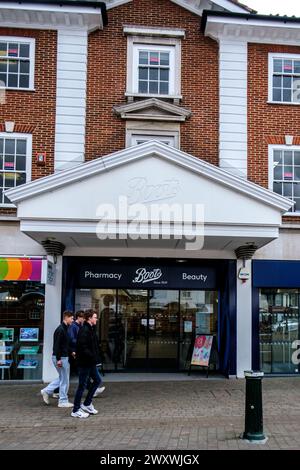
(87, 357)
(60, 359)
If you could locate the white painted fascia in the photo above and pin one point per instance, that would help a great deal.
(252, 30)
(47, 16)
(151, 31)
(148, 149)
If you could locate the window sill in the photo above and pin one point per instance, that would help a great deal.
(291, 214)
(17, 89)
(7, 206)
(148, 95)
(284, 103)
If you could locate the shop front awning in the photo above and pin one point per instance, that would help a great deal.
(140, 199)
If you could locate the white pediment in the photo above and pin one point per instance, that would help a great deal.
(152, 109)
(197, 6)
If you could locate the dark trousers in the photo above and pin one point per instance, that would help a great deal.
(84, 374)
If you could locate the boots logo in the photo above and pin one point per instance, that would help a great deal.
(144, 276)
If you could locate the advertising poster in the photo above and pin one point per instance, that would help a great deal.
(6, 334)
(29, 334)
(28, 364)
(5, 364)
(28, 350)
(202, 350)
(5, 349)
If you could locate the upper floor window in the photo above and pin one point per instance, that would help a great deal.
(137, 139)
(17, 63)
(15, 162)
(154, 62)
(284, 78)
(285, 174)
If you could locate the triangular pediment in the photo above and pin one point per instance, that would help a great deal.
(152, 109)
(197, 6)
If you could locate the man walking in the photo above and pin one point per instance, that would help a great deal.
(60, 359)
(87, 355)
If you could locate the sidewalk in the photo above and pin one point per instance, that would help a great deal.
(196, 414)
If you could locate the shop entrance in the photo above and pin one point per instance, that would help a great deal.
(150, 329)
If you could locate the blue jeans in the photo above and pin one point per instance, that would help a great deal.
(84, 374)
(62, 381)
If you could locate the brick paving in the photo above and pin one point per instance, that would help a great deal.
(201, 414)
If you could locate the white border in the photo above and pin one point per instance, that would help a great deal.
(31, 42)
(28, 137)
(271, 57)
(271, 148)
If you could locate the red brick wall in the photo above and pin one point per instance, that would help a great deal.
(35, 110)
(107, 79)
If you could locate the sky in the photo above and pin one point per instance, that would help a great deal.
(283, 7)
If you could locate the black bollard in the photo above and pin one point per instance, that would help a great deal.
(254, 411)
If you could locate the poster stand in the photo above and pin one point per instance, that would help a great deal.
(212, 352)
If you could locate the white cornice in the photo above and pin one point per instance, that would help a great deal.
(252, 30)
(45, 16)
(139, 152)
(151, 31)
(135, 111)
(194, 6)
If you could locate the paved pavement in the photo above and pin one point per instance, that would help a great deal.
(173, 415)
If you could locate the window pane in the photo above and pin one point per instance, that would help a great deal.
(3, 66)
(21, 147)
(277, 65)
(277, 81)
(278, 157)
(164, 75)
(143, 73)
(297, 205)
(287, 95)
(288, 173)
(10, 146)
(1, 146)
(3, 48)
(153, 87)
(13, 66)
(13, 50)
(154, 60)
(297, 173)
(164, 88)
(1, 196)
(296, 189)
(1, 180)
(9, 162)
(288, 189)
(3, 79)
(143, 87)
(24, 66)
(277, 188)
(278, 172)
(296, 158)
(5, 199)
(143, 57)
(286, 82)
(1, 162)
(153, 74)
(287, 66)
(164, 58)
(12, 80)
(20, 163)
(288, 158)
(24, 81)
(9, 180)
(20, 178)
(297, 66)
(276, 94)
(24, 50)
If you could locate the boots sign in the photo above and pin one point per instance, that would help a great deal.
(131, 275)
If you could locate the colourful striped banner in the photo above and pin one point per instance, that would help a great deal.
(20, 269)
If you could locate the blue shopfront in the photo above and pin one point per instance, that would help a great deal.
(150, 310)
(276, 317)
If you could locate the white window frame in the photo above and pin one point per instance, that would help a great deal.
(173, 45)
(147, 137)
(28, 138)
(31, 42)
(271, 57)
(271, 166)
(152, 134)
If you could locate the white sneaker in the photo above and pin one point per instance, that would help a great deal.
(89, 409)
(98, 391)
(45, 397)
(55, 395)
(65, 404)
(79, 414)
